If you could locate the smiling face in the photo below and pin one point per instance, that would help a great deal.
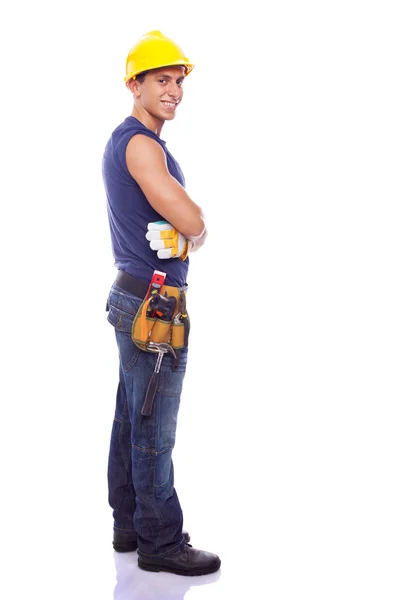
(159, 93)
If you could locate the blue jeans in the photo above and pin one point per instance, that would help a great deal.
(140, 466)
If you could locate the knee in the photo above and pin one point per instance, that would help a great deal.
(152, 466)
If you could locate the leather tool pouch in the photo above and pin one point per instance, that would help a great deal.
(170, 331)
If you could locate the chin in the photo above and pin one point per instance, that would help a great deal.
(163, 116)
(166, 117)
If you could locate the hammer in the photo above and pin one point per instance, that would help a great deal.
(161, 348)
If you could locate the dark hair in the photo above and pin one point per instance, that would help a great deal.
(141, 76)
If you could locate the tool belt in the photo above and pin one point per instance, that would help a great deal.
(161, 324)
(169, 325)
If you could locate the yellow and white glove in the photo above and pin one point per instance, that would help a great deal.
(167, 241)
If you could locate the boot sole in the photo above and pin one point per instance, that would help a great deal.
(189, 573)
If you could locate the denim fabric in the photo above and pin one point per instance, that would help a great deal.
(140, 466)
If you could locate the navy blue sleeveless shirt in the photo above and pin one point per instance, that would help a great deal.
(129, 211)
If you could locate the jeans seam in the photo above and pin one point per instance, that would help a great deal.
(125, 416)
(157, 442)
(152, 450)
(125, 462)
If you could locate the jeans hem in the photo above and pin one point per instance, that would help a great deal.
(182, 543)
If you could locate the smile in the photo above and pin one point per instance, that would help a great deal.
(169, 104)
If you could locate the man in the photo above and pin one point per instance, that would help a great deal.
(154, 225)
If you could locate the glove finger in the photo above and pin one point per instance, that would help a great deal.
(152, 235)
(166, 253)
(157, 244)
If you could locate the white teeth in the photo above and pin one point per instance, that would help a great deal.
(169, 103)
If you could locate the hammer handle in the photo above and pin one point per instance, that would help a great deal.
(150, 395)
(185, 320)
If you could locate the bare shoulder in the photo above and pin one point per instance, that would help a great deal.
(144, 152)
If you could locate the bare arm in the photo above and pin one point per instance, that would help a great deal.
(146, 162)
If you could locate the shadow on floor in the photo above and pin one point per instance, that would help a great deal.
(135, 584)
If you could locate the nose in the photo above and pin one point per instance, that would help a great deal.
(173, 90)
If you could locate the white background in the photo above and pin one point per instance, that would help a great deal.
(284, 459)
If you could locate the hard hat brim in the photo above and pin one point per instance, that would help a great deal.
(188, 68)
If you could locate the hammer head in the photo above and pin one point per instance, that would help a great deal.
(161, 347)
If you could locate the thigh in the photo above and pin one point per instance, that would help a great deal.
(168, 399)
(157, 431)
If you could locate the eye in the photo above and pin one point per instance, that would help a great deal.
(180, 82)
(162, 80)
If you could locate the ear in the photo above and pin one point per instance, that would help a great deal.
(134, 87)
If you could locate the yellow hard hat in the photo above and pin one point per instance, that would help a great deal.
(154, 50)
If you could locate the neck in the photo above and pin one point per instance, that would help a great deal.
(147, 119)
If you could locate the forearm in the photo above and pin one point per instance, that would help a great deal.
(175, 206)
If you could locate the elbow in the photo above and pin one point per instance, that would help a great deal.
(197, 229)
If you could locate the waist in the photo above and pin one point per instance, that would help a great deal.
(139, 288)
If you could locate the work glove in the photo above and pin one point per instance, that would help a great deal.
(167, 241)
(197, 241)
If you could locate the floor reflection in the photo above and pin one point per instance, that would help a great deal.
(135, 584)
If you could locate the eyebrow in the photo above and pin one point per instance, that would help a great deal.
(164, 76)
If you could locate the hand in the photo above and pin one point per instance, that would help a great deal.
(198, 241)
(167, 241)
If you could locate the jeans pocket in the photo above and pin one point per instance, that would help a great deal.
(163, 471)
(171, 382)
(122, 308)
(120, 319)
(122, 322)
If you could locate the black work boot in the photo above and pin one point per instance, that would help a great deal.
(187, 561)
(126, 541)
